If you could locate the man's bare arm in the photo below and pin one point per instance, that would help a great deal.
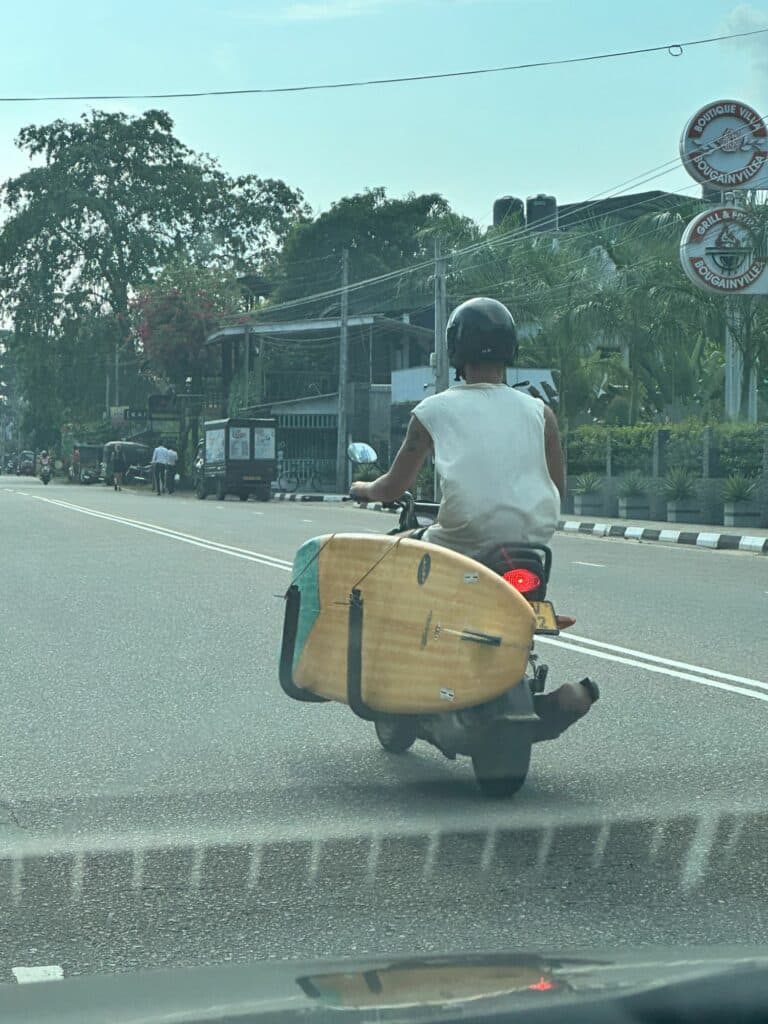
(403, 471)
(554, 450)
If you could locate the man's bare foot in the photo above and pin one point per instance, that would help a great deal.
(571, 699)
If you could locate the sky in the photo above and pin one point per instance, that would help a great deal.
(574, 132)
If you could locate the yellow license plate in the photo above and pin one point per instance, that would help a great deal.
(546, 620)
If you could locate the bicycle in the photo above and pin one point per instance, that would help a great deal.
(307, 474)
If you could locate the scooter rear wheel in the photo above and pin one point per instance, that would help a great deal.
(501, 768)
(395, 733)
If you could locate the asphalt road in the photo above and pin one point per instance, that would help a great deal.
(162, 803)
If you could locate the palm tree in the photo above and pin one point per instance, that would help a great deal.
(544, 279)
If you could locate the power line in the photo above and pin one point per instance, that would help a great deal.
(484, 245)
(673, 49)
(487, 245)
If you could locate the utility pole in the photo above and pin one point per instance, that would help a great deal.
(441, 318)
(734, 360)
(442, 369)
(247, 366)
(117, 374)
(752, 396)
(341, 418)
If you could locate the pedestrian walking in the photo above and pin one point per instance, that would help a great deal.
(158, 469)
(171, 459)
(118, 467)
(75, 464)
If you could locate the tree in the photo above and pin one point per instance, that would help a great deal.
(113, 199)
(177, 312)
(381, 234)
(545, 280)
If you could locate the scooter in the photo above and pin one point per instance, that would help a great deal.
(498, 735)
(46, 472)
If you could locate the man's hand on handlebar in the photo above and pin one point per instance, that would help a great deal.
(360, 490)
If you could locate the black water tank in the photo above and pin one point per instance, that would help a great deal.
(508, 206)
(541, 212)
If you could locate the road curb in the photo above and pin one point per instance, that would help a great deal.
(291, 496)
(699, 539)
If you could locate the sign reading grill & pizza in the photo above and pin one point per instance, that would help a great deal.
(725, 146)
(724, 251)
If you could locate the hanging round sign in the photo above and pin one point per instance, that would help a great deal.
(725, 146)
(724, 251)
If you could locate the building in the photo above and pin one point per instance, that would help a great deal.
(259, 377)
(544, 213)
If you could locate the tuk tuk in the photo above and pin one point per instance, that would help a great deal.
(238, 456)
(90, 463)
(27, 462)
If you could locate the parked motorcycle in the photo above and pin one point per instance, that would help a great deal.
(497, 735)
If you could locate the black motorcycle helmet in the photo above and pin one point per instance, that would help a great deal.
(481, 331)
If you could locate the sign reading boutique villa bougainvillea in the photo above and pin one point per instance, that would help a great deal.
(724, 251)
(725, 146)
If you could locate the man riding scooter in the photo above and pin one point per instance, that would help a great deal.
(46, 468)
(497, 452)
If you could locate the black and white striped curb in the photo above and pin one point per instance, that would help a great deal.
(715, 541)
(290, 496)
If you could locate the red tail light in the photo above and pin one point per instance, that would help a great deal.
(542, 985)
(523, 580)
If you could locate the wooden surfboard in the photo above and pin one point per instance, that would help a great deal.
(440, 632)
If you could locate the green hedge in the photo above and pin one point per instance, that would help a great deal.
(685, 448)
(585, 450)
(632, 449)
(740, 447)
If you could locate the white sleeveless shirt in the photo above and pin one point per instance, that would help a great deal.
(489, 452)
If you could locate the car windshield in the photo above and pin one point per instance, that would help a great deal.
(440, 330)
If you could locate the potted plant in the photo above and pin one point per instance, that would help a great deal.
(633, 497)
(740, 504)
(588, 497)
(680, 492)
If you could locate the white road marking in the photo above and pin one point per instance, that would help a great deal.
(307, 520)
(660, 670)
(668, 661)
(27, 975)
(578, 644)
(592, 565)
(185, 538)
